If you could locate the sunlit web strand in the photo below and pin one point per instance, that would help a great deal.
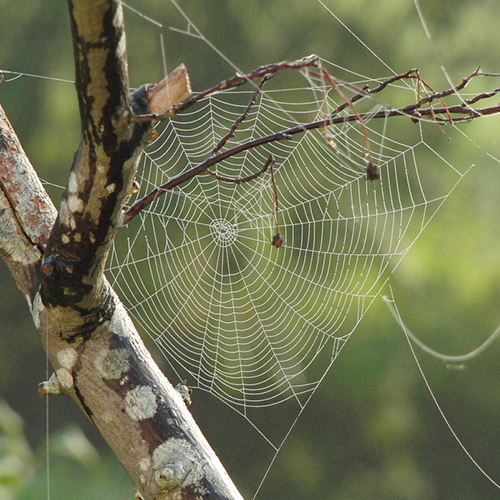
(19, 74)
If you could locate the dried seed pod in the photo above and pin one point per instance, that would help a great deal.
(278, 240)
(372, 172)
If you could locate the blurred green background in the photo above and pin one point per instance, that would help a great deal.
(372, 430)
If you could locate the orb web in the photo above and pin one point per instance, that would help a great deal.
(253, 324)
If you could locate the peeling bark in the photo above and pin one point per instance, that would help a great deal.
(57, 260)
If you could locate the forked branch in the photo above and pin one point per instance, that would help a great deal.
(422, 110)
(231, 83)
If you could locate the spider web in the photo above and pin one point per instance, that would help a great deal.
(250, 323)
(254, 325)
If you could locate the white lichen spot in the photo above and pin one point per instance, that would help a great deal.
(72, 183)
(36, 309)
(75, 203)
(110, 188)
(144, 464)
(63, 212)
(91, 237)
(64, 377)
(72, 223)
(140, 403)
(112, 364)
(122, 46)
(142, 479)
(77, 237)
(170, 449)
(65, 239)
(174, 461)
(119, 219)
(121, 324)
(118, 18)
(67, 358)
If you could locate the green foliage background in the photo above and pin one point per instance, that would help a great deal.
(372, 429)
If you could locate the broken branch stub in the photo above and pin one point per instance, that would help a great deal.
(173, 89)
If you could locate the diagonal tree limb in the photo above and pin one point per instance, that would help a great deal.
(26, 212)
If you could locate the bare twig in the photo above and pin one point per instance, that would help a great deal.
(243, 116)
(231, 83)
(197, 170)
(241, 180)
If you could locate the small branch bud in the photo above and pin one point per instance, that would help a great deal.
(51, 386)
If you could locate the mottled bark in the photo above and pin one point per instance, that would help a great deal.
(58, 259)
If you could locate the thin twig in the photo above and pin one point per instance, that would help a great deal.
(407, 111)
(270, 161)
(278, 239)
(231, 83)
(243, 116)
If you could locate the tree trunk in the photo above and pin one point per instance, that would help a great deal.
(57, 261)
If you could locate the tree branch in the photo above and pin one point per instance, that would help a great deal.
(287, 134)
(26, 212)
(231, 83)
